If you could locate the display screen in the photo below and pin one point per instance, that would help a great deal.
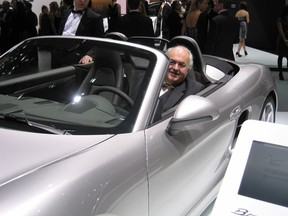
(266, 174)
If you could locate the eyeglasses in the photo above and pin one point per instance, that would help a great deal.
(180, 64)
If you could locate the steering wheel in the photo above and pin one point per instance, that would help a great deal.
(116, 91)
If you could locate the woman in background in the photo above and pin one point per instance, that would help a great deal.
(44, 22)
(195, 24)
(54, 16)
(243, 17)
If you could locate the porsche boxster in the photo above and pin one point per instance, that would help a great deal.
(80, 139)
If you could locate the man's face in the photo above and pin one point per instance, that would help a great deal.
(81, 4)
(217, 6)
(203, 5)
(179, 65)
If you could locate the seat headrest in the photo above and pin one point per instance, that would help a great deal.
(116, 36)
(192, 45)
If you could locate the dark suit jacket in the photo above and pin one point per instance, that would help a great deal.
(175, 24)
(165, 25)
(135, 24)
(175, 96)
(91, 24)
(172, 97)
(222, 34)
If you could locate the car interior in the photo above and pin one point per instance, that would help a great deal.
(55, 74)
(57, 79)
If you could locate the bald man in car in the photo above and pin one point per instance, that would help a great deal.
(177, 85)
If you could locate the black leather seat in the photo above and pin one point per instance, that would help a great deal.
(106, 71)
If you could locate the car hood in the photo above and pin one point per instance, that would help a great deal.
(22, 152)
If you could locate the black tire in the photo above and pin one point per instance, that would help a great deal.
(268, 112)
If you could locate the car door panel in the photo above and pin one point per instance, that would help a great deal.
(189, 163)
(182, 172)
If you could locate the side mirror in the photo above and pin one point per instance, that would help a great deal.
(192, 110)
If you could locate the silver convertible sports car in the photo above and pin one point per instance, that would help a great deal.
(82, 139)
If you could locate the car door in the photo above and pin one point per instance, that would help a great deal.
(184, 167)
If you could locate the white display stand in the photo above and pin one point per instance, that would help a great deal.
(256, 181)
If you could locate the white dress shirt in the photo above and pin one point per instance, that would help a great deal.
(71, 24)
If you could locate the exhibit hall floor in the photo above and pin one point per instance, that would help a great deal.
(269, 59)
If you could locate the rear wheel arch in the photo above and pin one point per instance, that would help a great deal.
(269, 108)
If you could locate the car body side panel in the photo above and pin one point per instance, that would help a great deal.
(186, 162)
(254, 82)
(146, 172)
(28, 148)
(105, 178)
(185, 167)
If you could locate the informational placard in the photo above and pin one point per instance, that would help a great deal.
(256, 181)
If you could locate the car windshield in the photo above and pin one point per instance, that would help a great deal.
(44, 88)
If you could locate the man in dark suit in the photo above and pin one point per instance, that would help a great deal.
(164, 13)
(82, 21)
(177, 85)
(222, 32)
(135, 23)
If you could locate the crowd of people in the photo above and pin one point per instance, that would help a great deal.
(215, 35)
(18, 21)
(192, 18)
(209, 22)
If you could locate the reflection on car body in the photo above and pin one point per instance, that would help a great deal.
(103, 153)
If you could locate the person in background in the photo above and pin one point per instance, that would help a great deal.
(135, 23)
(210, 11)
(65, 5)
(18, 30)
(113, 13)
(32, 20)
(243, 17)
(175, 19)
(195, 24)
(82, 21)
(45, 27)
(5, 24)
(163, 14)
(282, 40)
(144, 7)
(223, 31)
(54, 16)
(187, 7)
